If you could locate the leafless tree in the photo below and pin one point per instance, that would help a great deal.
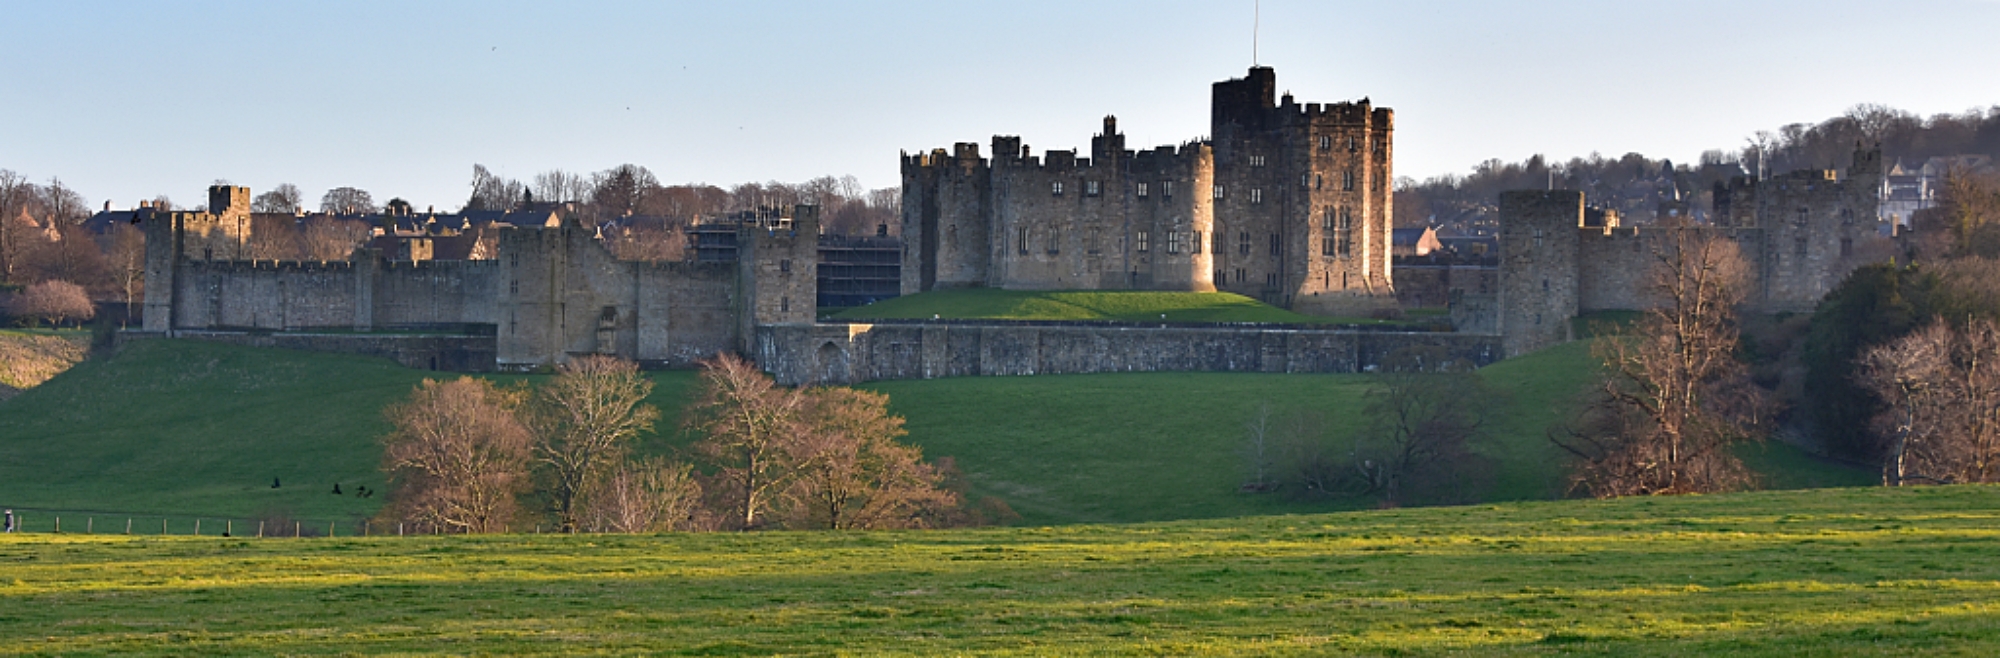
(585, 419)
(1259, 451)
(1943, 390)
(661, 241)
(275, 237)
(125, 257)
(558, 186)
(71, 256)
(54, 302)
(490, 192)
(851, 471)
(748, 424)
(646, 495)
(1969, 204)
(347, 201)
(458, 455)
(1674, 399)
(1428, 413)
(331, 238)
(20, 237)
(285, 198)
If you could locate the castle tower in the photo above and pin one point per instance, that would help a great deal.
(777, 282)
(1538, 267)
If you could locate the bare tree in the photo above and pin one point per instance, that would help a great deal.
(347, 201)
(1259, 451)
(331, 238)
(71, 256)
(748, 424)
(646, 495)
(490, 192)
(54, 302)
(1943, 389)
(275, 237)
(585, 419)
(1674, 398)
(125, 257)
(285, 198)
(20, 238)
(853, 474)
(648, 241)
(458, 455)
(1428, 413)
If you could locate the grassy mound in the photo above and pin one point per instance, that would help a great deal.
(184, 428)
(992, 304)
(1839, 572)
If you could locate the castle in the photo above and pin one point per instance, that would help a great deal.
(1800, 232)
(550, 293)
(1287, 203)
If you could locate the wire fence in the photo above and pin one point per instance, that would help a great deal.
(98, 522)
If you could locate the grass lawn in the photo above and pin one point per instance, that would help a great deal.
(1841, 572)
(994, 304)
(187, 429)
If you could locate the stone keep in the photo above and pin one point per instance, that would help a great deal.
(1285, 202)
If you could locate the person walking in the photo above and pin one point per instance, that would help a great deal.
(10, 520)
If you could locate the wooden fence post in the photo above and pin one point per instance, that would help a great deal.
(260, 529)
(128, 525)
(197, 527)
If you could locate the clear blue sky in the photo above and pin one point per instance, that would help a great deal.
(125, 100)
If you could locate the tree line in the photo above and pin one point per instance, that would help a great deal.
(1635, 184)
(471, 456)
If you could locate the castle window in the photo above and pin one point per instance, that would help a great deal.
(1055, 241)
(1347, 181)
(1055, 188)
(1090, 188)
(1538, 237)
(1305, 181)
(1271, 280)
(1140, 243)
(1242, 246)
(784, 304)
(1343, 234)
(1353, 145)
(1799, 246)
(1256, 161)
(1277, 245)
(1326, 220)
(1021, 245)
(1846, 247)
(1256, 195)
(1174, 239)
(1221, 278)
(1090, 241)
(1318, 181)
(1326, 142)
(514, 287)
(785, 265)
(1196, 237)
(1218, 192)
(1167, 189)
(1142, 190)
(1241, 277)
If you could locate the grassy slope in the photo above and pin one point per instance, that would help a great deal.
(185, 428)
(993, 304)
(29, 357)
(1839, 572)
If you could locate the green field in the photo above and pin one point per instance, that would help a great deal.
(184, 429)
(995, 304)
(1814, 573)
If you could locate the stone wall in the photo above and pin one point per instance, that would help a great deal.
(423, 352)
(847, 353)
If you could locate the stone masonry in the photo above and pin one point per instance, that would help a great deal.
(1285, 202)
